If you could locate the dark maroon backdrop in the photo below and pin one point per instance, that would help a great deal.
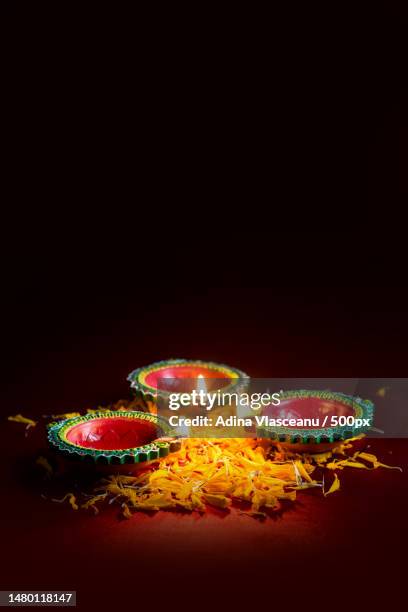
(316, 552)
(227, 227)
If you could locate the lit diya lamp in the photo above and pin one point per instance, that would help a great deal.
(159, 380)
(328, 418)
(113, 438)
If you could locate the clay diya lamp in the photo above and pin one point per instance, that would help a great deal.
(316, 405)
(116, 440)
(159, 380)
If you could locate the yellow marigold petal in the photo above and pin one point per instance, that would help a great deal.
(353, 464)
(333, 465)
(126, 512)
(388, 467)
(367, 457)
(19, 418)
(335, 486)
(71, 498)
(159, 474)
(91, 503)
(197, 503)
(303, 471)
(322, 458)
(370, 458)
(219, 501)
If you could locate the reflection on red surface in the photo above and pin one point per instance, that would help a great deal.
(184, 378)
(116, 433)
(308, 408)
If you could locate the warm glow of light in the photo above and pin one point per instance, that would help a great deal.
(201, 386)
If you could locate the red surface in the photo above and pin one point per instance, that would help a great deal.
(308, 407)
(346, 551)
(110, 434)
(169, 558)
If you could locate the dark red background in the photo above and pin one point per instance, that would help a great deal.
(244, 211)
(350, 545)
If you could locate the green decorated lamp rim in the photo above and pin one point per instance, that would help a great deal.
(363, 409)
(58, 438)
(140, 384)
